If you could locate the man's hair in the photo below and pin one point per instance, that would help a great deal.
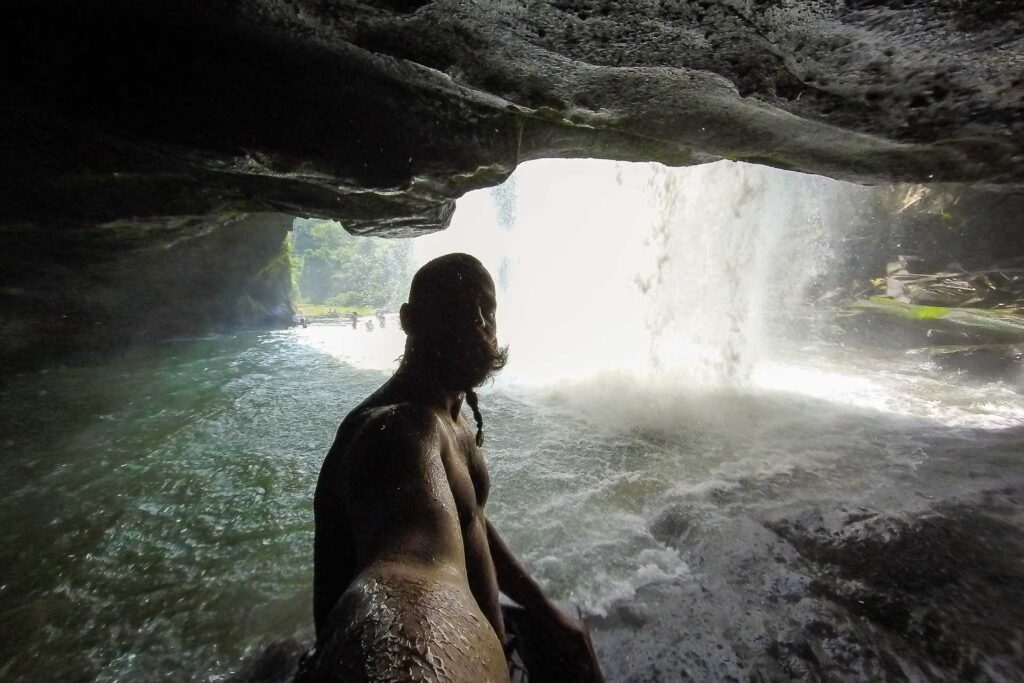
(434, 283)
(474, 405)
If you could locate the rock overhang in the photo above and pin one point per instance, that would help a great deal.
(380, 114)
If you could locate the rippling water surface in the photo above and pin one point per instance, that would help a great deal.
(157, 519)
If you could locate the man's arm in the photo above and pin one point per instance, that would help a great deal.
(410, 604)
(397, 495)
(568, 639)
(513, 578)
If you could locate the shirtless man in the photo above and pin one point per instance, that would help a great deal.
(407, 566)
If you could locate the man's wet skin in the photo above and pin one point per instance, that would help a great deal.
(407, 567)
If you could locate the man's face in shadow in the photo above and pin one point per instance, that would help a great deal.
(454, 321)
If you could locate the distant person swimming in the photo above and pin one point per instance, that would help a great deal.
(407, 566)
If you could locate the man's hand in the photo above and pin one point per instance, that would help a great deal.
(569, 644)
(565, 644)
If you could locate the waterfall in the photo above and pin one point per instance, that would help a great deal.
(736, 247)
(642, 269)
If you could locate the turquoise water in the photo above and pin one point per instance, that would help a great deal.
(157, 511)
(157, 508)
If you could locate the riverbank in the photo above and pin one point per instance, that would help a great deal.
(325, 311)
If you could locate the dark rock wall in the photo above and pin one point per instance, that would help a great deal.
(957, 226)
(181, 115)
(380, 113)
(943, 226)
(66, 292)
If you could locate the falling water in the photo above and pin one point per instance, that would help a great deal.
(645, 269)
(736, 247)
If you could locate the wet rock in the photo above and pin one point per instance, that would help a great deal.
(379, 114)
(837, 591)
(277, 663)
(939, 592)
(158, 119)
(674, 525)
(79, 292)
(986, 362)
(934, 325)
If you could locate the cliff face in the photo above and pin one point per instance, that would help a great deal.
(380, 113)
(71, 291)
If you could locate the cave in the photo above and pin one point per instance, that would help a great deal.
(163, 163)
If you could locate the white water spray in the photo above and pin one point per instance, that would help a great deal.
(637, 268)
(640, 278)
(737, 246)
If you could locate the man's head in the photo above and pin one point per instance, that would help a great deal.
(450, 320)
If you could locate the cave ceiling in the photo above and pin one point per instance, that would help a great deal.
(380, 114)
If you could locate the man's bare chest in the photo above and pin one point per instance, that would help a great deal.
(467, 473)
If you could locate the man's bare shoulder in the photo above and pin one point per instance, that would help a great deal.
(395, 485)
(397, 429)
(379, 442)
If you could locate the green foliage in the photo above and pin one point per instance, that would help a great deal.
(346, 299)
(903, 310)
(321, 309)
(331, 267)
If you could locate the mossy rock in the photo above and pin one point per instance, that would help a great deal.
(939, 323)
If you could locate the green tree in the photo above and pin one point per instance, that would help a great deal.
(335, 268)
